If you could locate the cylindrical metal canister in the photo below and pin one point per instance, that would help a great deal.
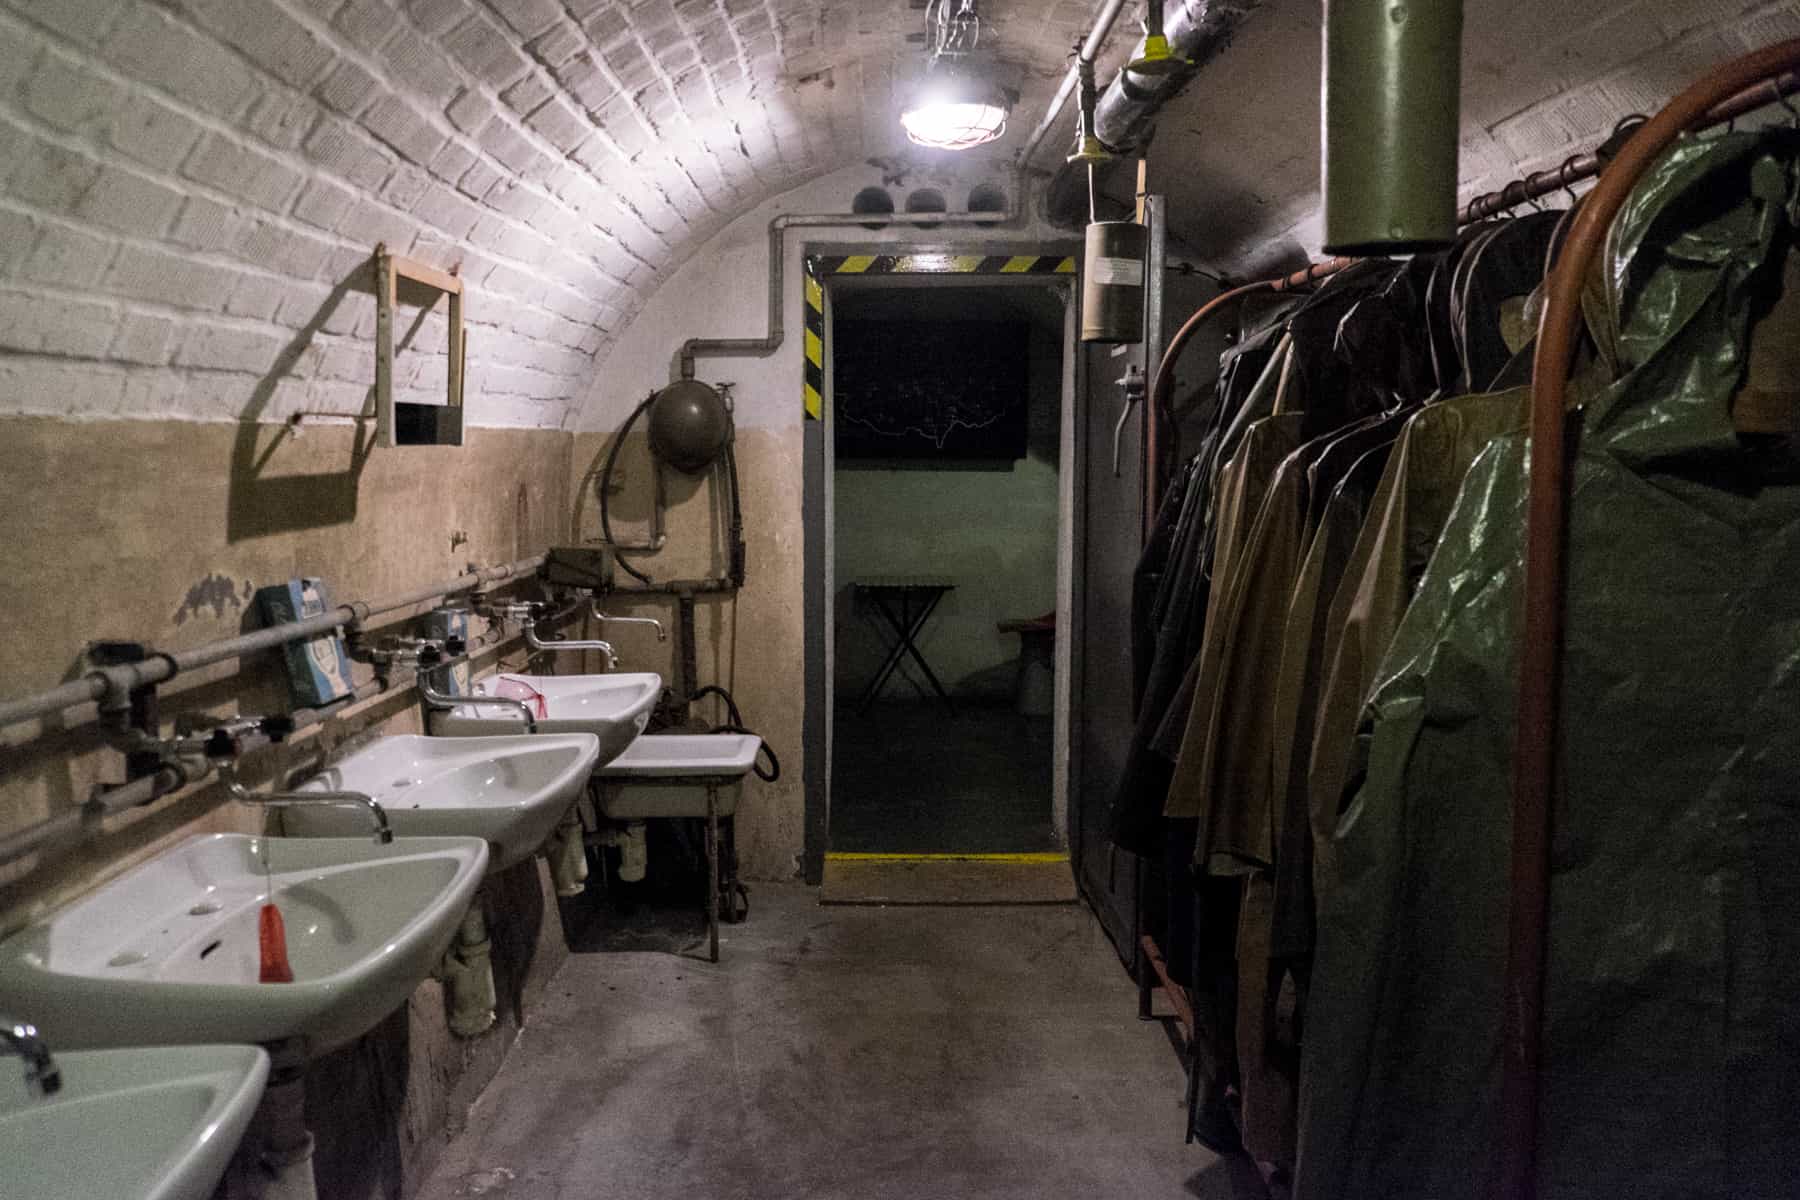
(1393, 74)
(1112, 282)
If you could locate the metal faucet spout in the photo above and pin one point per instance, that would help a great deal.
(340, 799)
(42, 1076)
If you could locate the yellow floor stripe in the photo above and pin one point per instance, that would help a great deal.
(1066, 267)
(966, 262)
(814, 352)
(856, 264)
(1048, 856)
(1018, 264)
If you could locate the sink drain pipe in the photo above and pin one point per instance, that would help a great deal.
(467, 973)
(275, 1160)
(566, 851)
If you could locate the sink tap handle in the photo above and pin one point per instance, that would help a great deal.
(42, 1076)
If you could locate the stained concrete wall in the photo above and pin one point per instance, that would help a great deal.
(159, 531)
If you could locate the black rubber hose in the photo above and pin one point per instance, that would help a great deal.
(735, 724)
(605, 486)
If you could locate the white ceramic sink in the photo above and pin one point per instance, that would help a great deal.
(667, 775)
(156, 1123)
(167, 954)
(719, 755)
(508, 791)
(614, 708)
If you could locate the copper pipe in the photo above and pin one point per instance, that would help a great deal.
(1540, 650)
(1164, 381)
(1774, 90)
(1586, 166)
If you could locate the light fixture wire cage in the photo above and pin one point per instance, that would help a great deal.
(954, 109)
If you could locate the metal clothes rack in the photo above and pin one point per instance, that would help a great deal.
(1755, 80)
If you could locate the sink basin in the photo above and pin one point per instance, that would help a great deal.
(666, 775)
(508, 791)
(167, 953)
(614, 708)
(158, 1123)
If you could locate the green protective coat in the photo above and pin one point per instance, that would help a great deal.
(1672, 1032)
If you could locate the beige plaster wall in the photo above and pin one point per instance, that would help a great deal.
(751, 645)
(159, 532)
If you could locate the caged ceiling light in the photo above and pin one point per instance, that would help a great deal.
(954, 107)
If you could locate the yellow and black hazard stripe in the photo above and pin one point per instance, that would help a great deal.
(815, 344)
(818, 265)
(942, 264)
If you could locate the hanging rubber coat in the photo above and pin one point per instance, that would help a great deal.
(1672, 1028)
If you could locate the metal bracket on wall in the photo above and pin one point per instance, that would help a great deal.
(403, 423)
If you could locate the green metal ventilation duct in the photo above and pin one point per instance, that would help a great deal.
(1393, 80)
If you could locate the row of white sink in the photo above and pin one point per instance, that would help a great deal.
(167, 954)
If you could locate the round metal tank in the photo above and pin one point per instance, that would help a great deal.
(1112, 282)
(689, 425)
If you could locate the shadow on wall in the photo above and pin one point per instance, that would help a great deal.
(262, 503)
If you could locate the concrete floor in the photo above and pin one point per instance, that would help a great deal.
(908, 777)
(917, 1054)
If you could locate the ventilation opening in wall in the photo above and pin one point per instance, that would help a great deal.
(873, 200)
(986, 198)
(926, 200)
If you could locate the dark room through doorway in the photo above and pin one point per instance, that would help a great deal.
(945, 499)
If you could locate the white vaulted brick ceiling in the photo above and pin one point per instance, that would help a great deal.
(190, 190)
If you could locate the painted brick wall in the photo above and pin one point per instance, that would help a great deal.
(190, 189)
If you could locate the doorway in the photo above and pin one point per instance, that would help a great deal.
(947, 500)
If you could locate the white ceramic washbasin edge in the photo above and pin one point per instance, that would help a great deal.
(167, 953)
(614, 707)
(157, 1123)
(508, 791)
(719, 755)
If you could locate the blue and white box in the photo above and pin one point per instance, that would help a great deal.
(446, 625)
(318, 669)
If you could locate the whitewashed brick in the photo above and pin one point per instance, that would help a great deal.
(257, 297)
(228, 348)
(348, 89)
(67, 257)
(206, 224)
(486, 52)
(162, 277)
(323, 203)
(85, 22)
(128, 202)
(49, 176)
(63, 93)
(348, 153)
(40, 324)
(142, 338)
(151, 46)
(394, 121)
(242, 171)
(260, 29)
(148, 130)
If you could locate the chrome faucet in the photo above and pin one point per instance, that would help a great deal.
(341, 799)
(604, 649)
(42, 1076)
(437, 699)
(662, 635)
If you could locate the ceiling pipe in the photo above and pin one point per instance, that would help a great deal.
(1090, 50)
(1197, 31)
(769, 343)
